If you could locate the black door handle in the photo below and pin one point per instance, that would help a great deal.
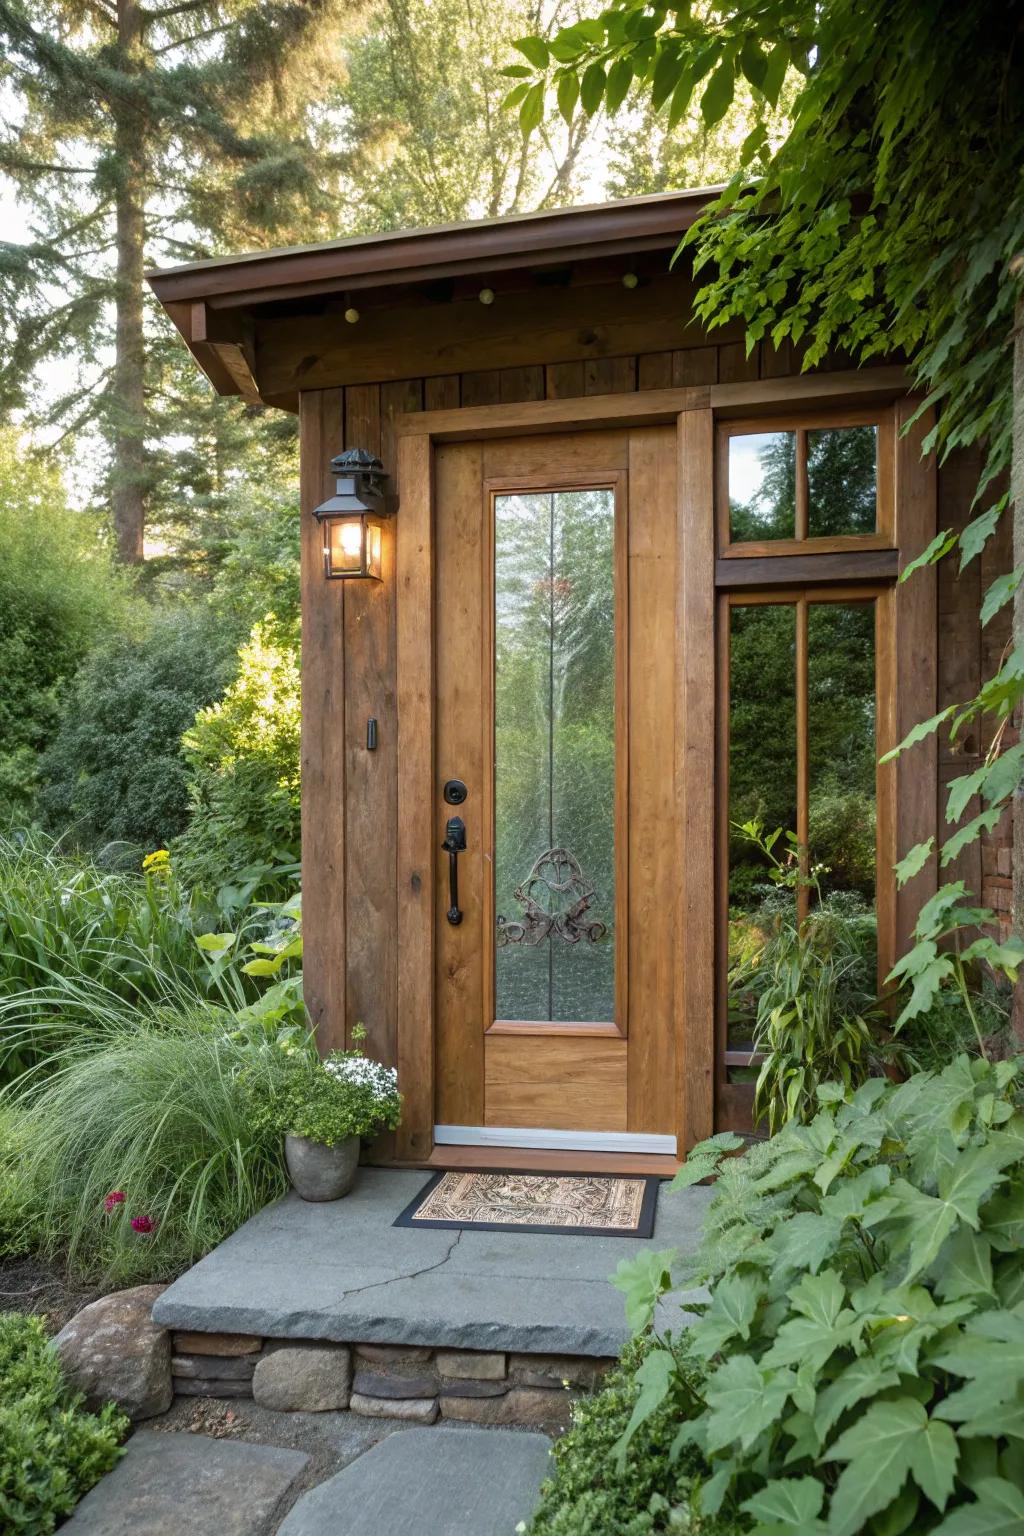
(454, 844)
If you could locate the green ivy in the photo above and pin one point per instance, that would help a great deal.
(860, 1364)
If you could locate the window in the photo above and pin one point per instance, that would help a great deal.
(803, 685)
(821, 484)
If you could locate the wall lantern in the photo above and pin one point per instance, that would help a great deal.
(352, 519)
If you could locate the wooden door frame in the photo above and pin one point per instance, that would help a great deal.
(693, 412)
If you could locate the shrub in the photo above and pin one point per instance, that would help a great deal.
(243, 755)
(153, 1106)
(841, 835)
(590, 1495)
(18, 1234)
(59, 594)
(51, 1450)
(860, 1365)
(115, 770)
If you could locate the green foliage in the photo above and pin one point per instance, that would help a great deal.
(328, 1101)
(278, 1012)
(76, 939)
(18, 1234)
(589, 1495)
(115, 770)
(243, 757)
(860, 1365)
(58, 596)
(154, 1104)
(939, 959)
(51, 1450)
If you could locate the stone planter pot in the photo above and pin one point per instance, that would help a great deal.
(318, 1172)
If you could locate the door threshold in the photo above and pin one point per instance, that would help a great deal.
(540, 1160)
(536, 1138)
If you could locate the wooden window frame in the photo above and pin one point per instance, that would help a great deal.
(847, 568)
(801, 423)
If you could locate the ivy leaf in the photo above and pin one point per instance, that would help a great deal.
(913, 862)
(775, 74)
(620, 78)
(933, 1462)
(823, 1326)
(787, 1501)
(864, 1377)
(999, 1511)
(654, 1377)
(643, 1281)
(743, 1401)
(939, 546)
(928, 1222)
(996, 1419)
(753, 62)
(1000, 593)
(592, 88)
(732, 1310)
(919, 732)
(986, 821)
(977, 534)
(964, 1266)
(535, 49)
(878, 1450)
(806, 1240)
(568, 93)
(531, 113)
(1007, 957)
(718, 93)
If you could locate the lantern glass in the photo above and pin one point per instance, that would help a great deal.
(352, 546)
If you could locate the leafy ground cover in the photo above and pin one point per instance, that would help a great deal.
(860, 1365)
(52, 1451)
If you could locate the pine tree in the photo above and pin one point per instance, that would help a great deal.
(141, 135)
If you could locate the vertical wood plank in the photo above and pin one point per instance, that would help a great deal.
(442, 393)
(694, 365)
(695, 774)
(323, 731)
(415, 672)
(521, 384)
(564, 381)
(653, 868)
(481, 388)
(734, 366)
(777, 362)
(654, 370)
(609, 375)
(916, 616)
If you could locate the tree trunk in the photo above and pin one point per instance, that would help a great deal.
(1017, 512)
(128, 400)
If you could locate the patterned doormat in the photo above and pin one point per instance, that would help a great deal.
(580, 1204)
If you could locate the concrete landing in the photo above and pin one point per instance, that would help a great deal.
(341, 1271)
(466, 1482)
(165, 1485)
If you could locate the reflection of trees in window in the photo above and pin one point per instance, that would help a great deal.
(841, 483)
(555, 737)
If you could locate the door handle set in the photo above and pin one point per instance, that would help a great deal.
(454, 844)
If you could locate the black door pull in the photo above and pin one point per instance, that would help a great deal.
(454, 844)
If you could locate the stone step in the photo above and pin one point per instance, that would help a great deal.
(417, 1482)
(168, 1484)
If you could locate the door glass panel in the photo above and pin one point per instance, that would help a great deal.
(762, 486)
(554, 756)
(841, 475)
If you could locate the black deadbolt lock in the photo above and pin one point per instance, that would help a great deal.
(455, 792)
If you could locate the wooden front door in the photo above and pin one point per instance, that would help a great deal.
(555, 733)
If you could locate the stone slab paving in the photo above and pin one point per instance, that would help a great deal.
(341, 1271)
(166, 1485)
(464, 1482)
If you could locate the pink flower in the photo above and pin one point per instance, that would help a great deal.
(143, 1223)
(114, 1199)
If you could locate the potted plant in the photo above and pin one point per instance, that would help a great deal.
(324, 1109)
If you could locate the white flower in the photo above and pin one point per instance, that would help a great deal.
(363, 1073)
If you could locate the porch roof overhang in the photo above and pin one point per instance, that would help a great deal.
(242, 316)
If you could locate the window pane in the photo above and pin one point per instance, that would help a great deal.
(554, 749)
(841, 746)
(841, 475)
(762, 486)
(762, 787)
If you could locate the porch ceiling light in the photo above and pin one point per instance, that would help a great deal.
(352, 519)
